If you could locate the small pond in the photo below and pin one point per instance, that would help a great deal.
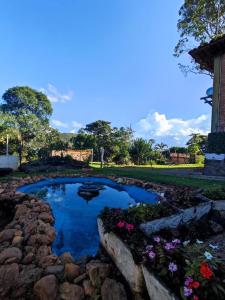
(76, 211)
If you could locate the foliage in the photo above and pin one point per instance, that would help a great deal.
(189, 267)
(178, 150)
(161, 147)
(199, 21)
(31, 110)
(83, 141)
(149, 212)
(216, 143)
(218, 194)
(191, 270)
(102, 133)
(141, 151)
(197, 143)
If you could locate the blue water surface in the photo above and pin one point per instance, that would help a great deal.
(75, 217)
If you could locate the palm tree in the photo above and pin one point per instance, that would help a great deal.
(161, 147)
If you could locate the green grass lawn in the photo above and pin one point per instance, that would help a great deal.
(148, 173)
(155, 174)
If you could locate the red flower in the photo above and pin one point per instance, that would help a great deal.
(194, 285)
(205, 270)
(121, 224)
(130, 227)
(195, 297)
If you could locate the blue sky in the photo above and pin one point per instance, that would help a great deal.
(104, 59)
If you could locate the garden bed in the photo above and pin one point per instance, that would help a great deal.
(183, 262)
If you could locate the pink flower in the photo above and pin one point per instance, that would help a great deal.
(121, 224)
(130, 227)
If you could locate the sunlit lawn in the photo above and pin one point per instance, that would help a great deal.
(155, 174)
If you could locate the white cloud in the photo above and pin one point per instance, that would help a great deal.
(76, 126)
(59, 123)
(158, 126)
(55, 96)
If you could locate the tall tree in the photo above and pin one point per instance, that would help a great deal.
(197, 143)
(141, 150)
(31, 110)
(161, 147)
(102, 133)
(199, 22)
(122, 138)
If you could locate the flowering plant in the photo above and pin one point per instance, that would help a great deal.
(192, 271)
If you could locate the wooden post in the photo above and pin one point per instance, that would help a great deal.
(7, 144)
(216, 95)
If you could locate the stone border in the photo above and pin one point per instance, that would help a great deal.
(183, 216)
(28, 267)
(156, 289)
(122, 257)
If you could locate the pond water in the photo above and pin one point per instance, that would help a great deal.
(75, 215)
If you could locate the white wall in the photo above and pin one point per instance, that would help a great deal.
(214, 156)
(9, 161)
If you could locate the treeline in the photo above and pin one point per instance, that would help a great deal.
(24, 119)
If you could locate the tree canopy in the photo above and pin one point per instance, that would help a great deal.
(30, 110)
(199, 22)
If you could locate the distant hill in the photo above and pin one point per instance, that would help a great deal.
(67, 136)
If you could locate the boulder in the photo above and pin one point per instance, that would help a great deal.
(97, 271)
(7, 235)
(71, 271)
(113, 290)
(66, 257)
(88, 287)
(69, 291)
(10, 255)
(17, 241)
(48, 260)
(47, 288)
(46, 217)
(80, 278)
(9, 275)
(55, 270)
(28, 259)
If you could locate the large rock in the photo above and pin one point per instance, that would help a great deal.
(10, 255)
(70, 291)
(9, 275)
(88, 288)
(112, 290)
(47, 288)
(29, 258)
(66, 257)
(97, 271)
(46, 217)
(71, 271)
(7, 235)
(55, 270)
(17, 241)
(29, 275)
(48, 260)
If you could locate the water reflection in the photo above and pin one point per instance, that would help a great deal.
(75, 218)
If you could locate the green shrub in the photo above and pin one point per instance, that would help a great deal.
(216, 194)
